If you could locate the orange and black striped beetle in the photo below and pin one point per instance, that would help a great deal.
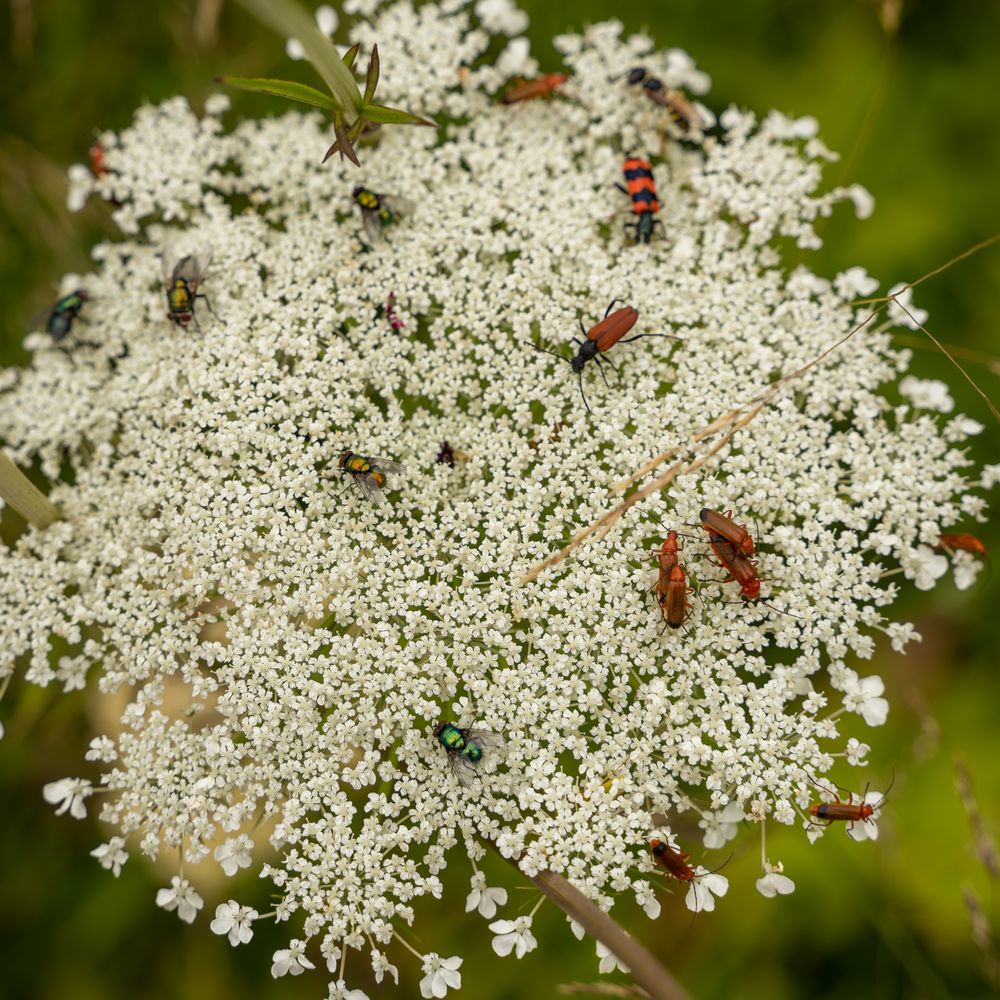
(599, 339)
(641, 188)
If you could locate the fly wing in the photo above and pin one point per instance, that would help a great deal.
(486, 739)
(194, 268)
(397, 204)
(369, 219)
(190, 267)
(371, 489)
(40, 323)
(385, 464)
(464, 769)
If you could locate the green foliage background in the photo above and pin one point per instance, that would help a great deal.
(916, 119)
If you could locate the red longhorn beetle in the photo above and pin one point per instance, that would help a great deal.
(527, 90)
(722, 524)
(600, 339)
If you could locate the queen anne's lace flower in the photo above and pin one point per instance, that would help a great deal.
(483, 898)
(234, 920)
(290, 960)
(513, 935)
(703, 889)
(69, 794)
(182, 897)
(441, 975)
(288, 646)
(863, 695)
(111, 855)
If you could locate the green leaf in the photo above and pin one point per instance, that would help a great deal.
(392, 116)
(283, 88)
(350, 55)
(372, 82)
(290, 20)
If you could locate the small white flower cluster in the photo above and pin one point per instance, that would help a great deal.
(288, 646)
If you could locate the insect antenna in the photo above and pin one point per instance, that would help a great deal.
(545, 350)
(579, 376)
(639, 336)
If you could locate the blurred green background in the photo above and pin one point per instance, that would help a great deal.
(914, 114)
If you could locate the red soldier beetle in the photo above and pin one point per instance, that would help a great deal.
(722, 524)
(673, 860)
(599, 339)
(671, 595)
(545, 86)
(965, 543)
(849, 812)
(741, 568)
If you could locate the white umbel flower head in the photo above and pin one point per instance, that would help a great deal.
(609, 961)
(774, 882)
(292, 630)
(864, 696)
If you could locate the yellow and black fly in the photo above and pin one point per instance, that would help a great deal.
(380, 210)
(368, 471)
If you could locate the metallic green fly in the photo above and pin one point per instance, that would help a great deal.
(466, 748)
(379, 210)
(58, 320)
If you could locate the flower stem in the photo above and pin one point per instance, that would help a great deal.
(642, 965)
(24, 496)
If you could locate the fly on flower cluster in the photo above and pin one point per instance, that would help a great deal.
(465, 748)
(379, 210)
(58, 319)
(181, 280)
(368, 472)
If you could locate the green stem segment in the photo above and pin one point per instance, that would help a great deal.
(24, 496)
(642, 965)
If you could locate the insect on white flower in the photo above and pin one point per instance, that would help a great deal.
(703, 889)
(289, 647)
